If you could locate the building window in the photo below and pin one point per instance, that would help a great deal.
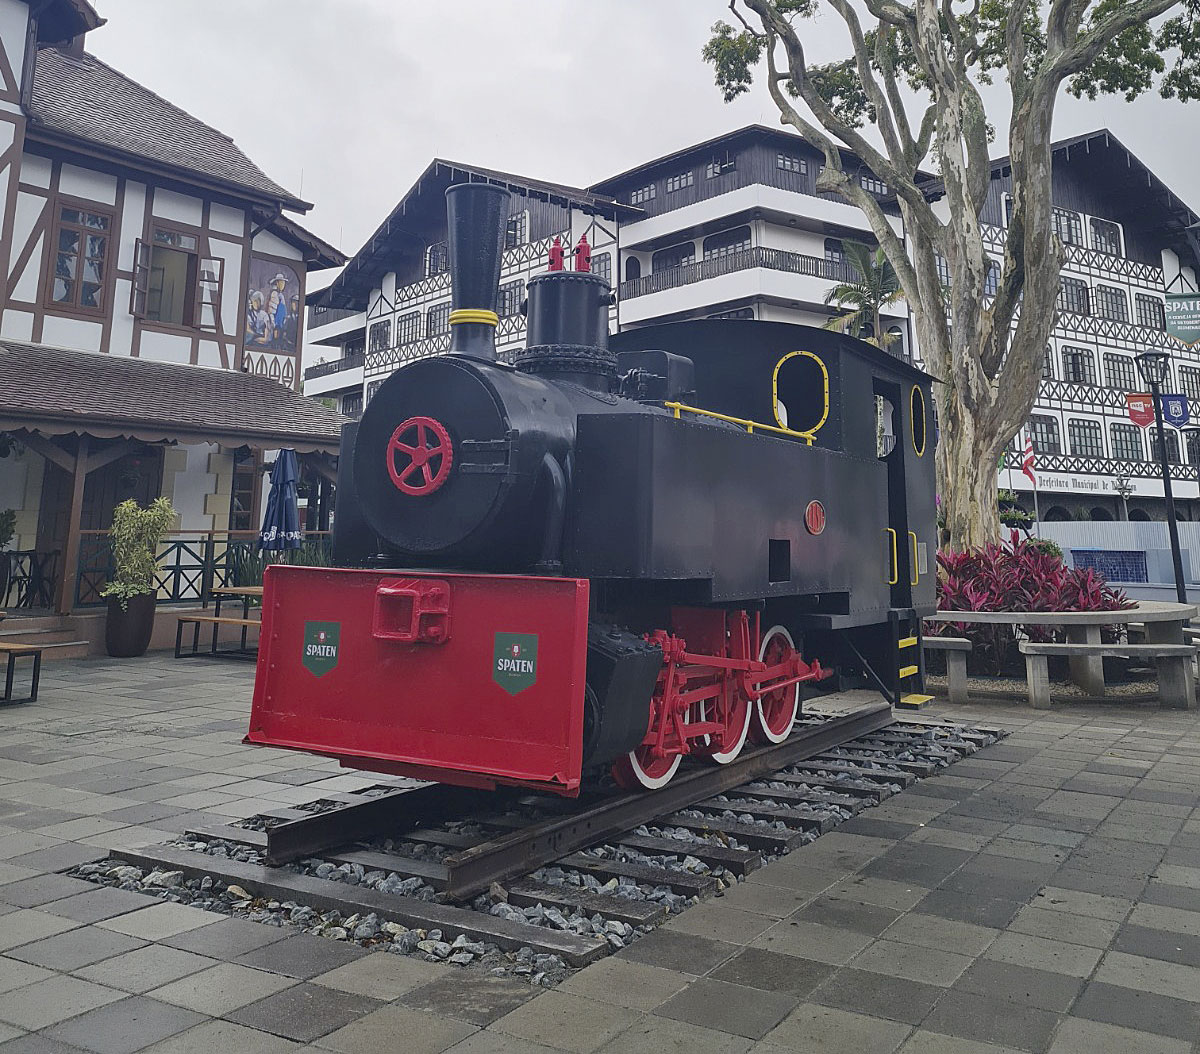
(633, 269)
(718, 166)
(516, 230)
(1073, 297)
(835, 253)
(372, 388)
(408, 328)
(174, 285)
(352, 405)
(1189, 382)
(943, 269)
(873, 185)
(1172, 446)
(1112, 303)
(1068, 226)
(241, 497)
(736, 313)
(511, 295)
(602, 266)
(354, 347)
(1126, 442)
(1119, 372)
(437, 259)
(991, 281)
(1043, 432)
(684, 179)
(726, 243)
(81, 258)
(1087, 440)
(1192, 442)
(1008, 209)
(675, 256)
(788, 163)
(642, 194)
(1150, 312)
(437, 320)
(1106, 237)
(1079, 366)
(1048, 364)
(380, 336)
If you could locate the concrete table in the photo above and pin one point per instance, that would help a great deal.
(1164, 624)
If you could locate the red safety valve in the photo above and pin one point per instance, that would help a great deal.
(556, 254)
(412, 611)
(583, 255)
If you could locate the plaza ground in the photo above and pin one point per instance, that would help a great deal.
(1042, 895)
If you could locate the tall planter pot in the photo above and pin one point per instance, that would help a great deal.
(127, 632)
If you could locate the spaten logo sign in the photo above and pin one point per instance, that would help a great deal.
(514, 661)
(321, 645)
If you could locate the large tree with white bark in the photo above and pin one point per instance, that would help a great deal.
(912, 72)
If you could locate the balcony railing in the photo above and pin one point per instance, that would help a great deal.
(352, 361)
(324, 316)
(744, 259)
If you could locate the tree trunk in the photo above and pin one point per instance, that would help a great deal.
(967, 459)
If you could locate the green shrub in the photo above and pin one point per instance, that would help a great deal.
(135, 535)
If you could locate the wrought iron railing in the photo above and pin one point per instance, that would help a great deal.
(191, 564)
(323, 316)
(744, 259)
(346, 362)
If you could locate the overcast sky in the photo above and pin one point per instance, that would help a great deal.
(345, 102)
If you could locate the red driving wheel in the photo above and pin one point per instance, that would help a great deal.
(419, 456)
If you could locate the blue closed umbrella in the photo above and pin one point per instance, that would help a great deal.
(281, 524)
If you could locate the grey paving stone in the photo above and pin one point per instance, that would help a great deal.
(1099, 883)
(54, 999)
(1080, 902)
(831, 1031)
(1159, 944)
(928, 965)
(382, 976)
(75, 948)
(223, 1037)
(1079, 1036)
(682, 952)
(1022, 985)
(810, 940)
(976, 908)
(58, 857)
(15, 974)
(304, 1012)
(124, 1027)
(774, 902)
(477, 998)
(1063, 926)
(898, 896)
(1169, 896)
(221, 988)
(569, 1022)
(873, 827)
(929, 931)
(145, 968)
(37, 1043)
(990, 1020)
(894, 998)
(1176, 980)
(28, 924)
(33, 818)
(33, 892)
(720, 922)
(302, 956)
(227, 938)
(156, 921)
(625, 983)
(656, 1035)
(1141, 1011)
(422, 1034)
(97, 904)
(772, 972)
(724, 1007)
(923, 865)
(923, 1042)
(849, 913)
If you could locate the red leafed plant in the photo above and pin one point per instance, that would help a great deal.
(1016, 576)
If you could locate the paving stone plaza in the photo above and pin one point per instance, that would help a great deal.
(1042, 895)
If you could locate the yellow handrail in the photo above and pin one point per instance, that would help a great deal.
(750, 426)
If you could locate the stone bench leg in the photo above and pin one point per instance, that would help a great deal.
(1176, 683)
(1037, 673)
(956, 675)
(1087, 671)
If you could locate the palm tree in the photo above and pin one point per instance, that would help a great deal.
(876, 288)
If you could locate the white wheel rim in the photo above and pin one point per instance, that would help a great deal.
(758, 703)
(725, 757)
(651, 783)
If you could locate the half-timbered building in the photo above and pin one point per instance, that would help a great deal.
(132, 232)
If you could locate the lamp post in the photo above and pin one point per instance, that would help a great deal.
(1152, 365)
(1124, 487)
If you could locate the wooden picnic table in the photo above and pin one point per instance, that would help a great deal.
(244, 593)
(1164, 624)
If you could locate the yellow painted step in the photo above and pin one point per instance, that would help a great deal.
(907, 671)
(907, 642)
(913, 701)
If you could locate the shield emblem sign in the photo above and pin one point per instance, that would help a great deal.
(514, 661)
(1141, 408)
(322, 642)
(1175, 409)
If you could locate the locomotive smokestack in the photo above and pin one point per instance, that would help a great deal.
(476, 213)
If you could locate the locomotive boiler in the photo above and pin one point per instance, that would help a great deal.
(608, 553)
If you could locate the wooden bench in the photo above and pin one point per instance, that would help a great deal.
(956, 649)
(196, 621)
(1176, 683)
(18, 651)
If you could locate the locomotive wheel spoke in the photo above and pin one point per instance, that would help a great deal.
(729, 742)
(775, 711)
(640, 770)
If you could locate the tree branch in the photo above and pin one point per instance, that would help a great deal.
(1078, 52)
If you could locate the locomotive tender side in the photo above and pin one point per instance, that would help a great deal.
(586, 559)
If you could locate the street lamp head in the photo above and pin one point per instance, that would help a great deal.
(1152, 365)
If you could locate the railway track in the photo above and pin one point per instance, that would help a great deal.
(533, 875)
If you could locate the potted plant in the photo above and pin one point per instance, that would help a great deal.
(134, 535)
(8, 527)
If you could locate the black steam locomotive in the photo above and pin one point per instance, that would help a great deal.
(611, 552)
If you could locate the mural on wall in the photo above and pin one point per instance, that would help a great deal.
(273, 305)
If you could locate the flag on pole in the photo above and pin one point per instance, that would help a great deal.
(1027, 461)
